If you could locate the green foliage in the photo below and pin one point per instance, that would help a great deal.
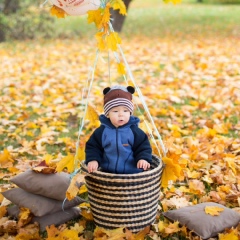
(223, 1)
(28, 22)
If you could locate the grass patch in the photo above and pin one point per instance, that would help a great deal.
(155, 18)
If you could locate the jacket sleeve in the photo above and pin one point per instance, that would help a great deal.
(93, 148)
(141, 147)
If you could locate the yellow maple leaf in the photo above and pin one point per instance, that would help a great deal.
(233, 235)
(82, 189)
(84, 205)
(87, 214)
(161, 226)
(6, 159)
(172, 171)
(231, 164)
(92, 116)
(58, 12)
(73, 188)
(52, 231)
(114, 234)
(81, 153)
(48, 158)
(105, 17)
(66, 162)
(196, 187)
(69, 234)
(119, 4)
(113, 40)
(172, 228)
(96, 17)
(101, 44)
(121, 69)
(142, 234)
(213, 210)
(13, 169)
(173, 1)
(24, 217)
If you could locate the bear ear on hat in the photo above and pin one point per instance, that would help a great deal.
(106, 90)
(131, 89)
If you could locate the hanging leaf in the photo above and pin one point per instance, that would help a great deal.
(121, 69)
(101, 44)
(106, 18)
(112, 41)
(172, 171)
(58, 12)
(66, 162)
(173, 1)
(119, 4)
(73, 188)
(92, 116)
(96, 17)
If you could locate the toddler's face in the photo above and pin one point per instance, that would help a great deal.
(119, 116)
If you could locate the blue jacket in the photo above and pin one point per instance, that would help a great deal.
(118, 150)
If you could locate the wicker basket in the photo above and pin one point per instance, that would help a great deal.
(125, 200)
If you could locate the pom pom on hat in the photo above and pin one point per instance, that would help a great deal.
(118, 96)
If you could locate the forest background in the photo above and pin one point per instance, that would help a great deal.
(185, 59)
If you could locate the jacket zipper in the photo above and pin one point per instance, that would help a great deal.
(117, 150)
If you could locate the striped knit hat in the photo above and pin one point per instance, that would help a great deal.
(118, 96)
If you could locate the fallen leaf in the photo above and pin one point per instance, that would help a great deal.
(213, 210)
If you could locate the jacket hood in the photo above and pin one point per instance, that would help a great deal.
(106, 121)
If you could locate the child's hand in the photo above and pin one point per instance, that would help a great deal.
(92, 166)
(143, 164)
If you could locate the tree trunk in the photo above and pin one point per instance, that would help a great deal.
(2, 35)
(117, 18)
(10, 6)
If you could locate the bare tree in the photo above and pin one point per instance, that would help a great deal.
(117, 18)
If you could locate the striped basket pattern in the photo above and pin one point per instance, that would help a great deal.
(125, 200)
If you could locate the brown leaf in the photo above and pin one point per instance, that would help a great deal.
(45, 170)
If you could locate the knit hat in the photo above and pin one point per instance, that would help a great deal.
(118, 96)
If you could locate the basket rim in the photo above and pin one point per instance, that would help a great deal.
(97, 172)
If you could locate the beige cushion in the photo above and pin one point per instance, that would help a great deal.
(52, 185)
(37, 204)
(56, 218)
(204, 225)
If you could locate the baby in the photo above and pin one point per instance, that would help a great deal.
(118, 145)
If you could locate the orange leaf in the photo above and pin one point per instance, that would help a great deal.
(45, 170)
(58, 12)
(3, 211)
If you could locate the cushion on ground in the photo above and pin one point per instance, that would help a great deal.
(56, 218)
(204, 225)
(52, 185)
(37, 204)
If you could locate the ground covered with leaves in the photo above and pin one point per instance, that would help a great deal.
(192, 89)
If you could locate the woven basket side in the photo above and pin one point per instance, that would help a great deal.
(135, 225)
(122, 194)
(125, 200)
(156, 165)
